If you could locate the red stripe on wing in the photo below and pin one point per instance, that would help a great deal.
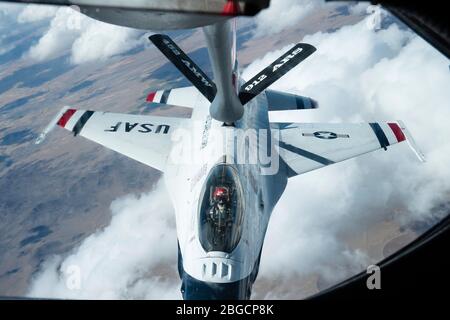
(66, 117)
(397, 132)
(151, 96)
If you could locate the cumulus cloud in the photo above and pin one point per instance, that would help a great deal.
(133, 257)
(357, 74)
(34, 13)
(85, 39)
(58, 38)
(100, 41)
(361, 8)
(284, 13)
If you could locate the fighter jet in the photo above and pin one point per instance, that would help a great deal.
(226, 166)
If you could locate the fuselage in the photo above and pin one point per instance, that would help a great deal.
(223, 272)
(219, 257)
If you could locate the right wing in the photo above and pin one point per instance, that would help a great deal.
(308, 146)
(144, 138)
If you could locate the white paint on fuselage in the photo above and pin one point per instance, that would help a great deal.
(185, 182)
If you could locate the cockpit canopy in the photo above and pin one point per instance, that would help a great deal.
(221, 210)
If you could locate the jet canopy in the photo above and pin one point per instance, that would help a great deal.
(221, 210)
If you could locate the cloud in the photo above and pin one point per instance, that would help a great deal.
(361, 8)
(83, 38)
(58, 38)
(34, 13)
(8, 17)
(100, 41)
(8, 14)
(359, 74)
(133, 257)
(284, 13)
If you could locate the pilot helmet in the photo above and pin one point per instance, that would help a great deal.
(220, 195)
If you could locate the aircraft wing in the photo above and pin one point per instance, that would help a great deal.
(309, 146)
(144, 138)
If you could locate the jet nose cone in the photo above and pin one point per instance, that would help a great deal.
(193, 289)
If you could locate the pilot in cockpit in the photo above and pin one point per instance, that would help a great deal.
(220, 212)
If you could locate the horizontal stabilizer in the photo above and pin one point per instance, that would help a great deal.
(180, 97)
(282, 101)
(275, 71)
(185, 65)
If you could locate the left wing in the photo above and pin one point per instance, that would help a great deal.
(307, 146)
(144, 138)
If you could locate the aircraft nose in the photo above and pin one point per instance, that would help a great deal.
(193, 289)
